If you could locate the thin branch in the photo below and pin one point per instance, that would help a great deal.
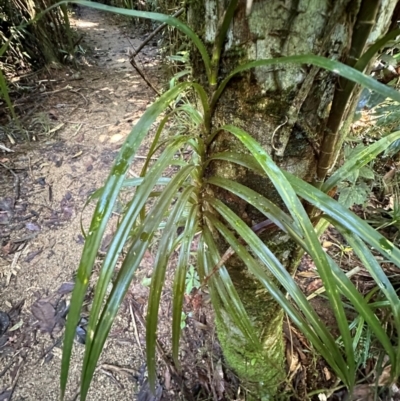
(155, 32)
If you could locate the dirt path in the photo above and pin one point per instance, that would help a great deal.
(43, 188)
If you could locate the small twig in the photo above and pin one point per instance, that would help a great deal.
(135, 330)
(275, 131)
(12, 267)
(49, 349)
(15, 381)
(154, 33)
(145, 157)
(68, 87)
(141, 73)
(2, 147)
(112, 377)
(77, 131)
(8, 366)
(80, 94)
(116, 368)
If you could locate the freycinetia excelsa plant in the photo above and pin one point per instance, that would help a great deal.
(184, 202)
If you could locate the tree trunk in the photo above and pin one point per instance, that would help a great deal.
(284, 108)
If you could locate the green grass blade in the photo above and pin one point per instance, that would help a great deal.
(302, 221)
(100, 218)
(335, 66)
(132, 260)
(180, 278)
(8, 41)
(362, 158)
(157, 281)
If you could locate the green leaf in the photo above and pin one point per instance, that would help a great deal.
(101, 215)
(224, 296)
(164, 251)
(140, 243)
(192, 280)
(343, 282)
(178, 75)
(302, 221)
(204, 267)
(362, 158)
(4, 92)
(124, 231)
(135, 182)
(367, 173)
(392, 149)
(364, 60)
(265, 206)
(383, 282)
(338, 68)
(345, 217)
(346, 197)
(345, 286)
(311, 326)
(180, 277)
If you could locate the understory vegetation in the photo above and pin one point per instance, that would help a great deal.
(347, 216)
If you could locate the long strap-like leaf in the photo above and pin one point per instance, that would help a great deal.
(313, 328)
(132, 260)
(338, 68)
(302, 221)
(122, 233)
(101, 215)
(226, 296)
(163, 253)
(361, 159)
(345, 286)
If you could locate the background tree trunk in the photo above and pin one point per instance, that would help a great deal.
(284, 108)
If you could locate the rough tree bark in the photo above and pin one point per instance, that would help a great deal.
(286, 110)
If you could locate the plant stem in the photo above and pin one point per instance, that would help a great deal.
(220, 37)
(362, 28)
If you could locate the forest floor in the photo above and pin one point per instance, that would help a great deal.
(78, 121)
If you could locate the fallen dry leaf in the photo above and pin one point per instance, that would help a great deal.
(45, 313)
